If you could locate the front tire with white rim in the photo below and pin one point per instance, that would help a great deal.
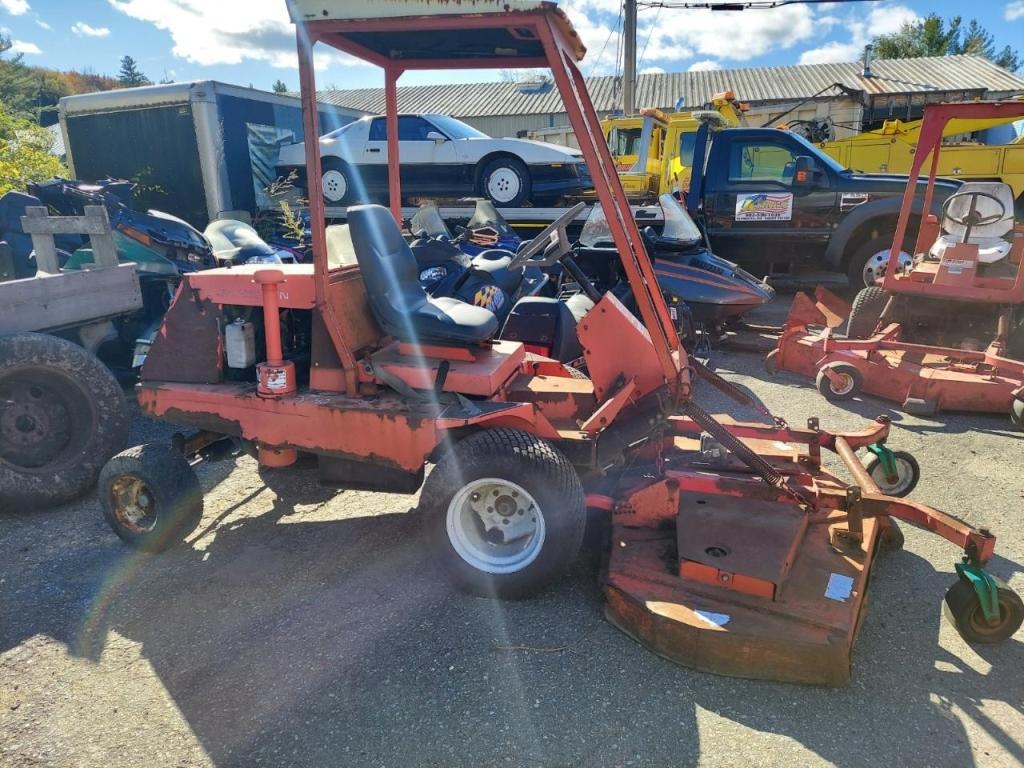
(506, 182)
(868, 263)
(504, 512)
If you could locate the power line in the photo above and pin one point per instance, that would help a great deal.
(611, 32)
(654, 25)
(738, 5)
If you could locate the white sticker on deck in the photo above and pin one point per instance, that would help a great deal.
(715, 619)
(839, 587)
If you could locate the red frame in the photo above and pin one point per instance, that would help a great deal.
(549, 25)
(929, 145)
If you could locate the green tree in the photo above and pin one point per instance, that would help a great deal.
(25, 153)
(280, 86)
(932, 36)
(18, 86)
(129, 75)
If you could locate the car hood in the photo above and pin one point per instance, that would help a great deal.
(890, 182)
(540, 150)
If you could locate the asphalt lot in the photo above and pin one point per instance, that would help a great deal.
(304, 627)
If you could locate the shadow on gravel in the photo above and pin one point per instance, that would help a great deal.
(290, 642)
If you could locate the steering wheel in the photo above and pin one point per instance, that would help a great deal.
(553, 241)
(971, 218)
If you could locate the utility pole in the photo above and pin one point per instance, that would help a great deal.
(629, 66)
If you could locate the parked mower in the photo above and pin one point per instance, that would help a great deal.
(947, 333)
(732, 550)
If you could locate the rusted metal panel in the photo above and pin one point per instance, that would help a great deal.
(237, 285)
(189, 347)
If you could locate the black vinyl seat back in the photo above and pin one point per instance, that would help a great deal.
(399, 303)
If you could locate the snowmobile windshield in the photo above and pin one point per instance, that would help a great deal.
(486, 215)
(678, 224)
(428, 221)
(596, 233)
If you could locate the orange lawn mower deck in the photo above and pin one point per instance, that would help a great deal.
(732, 550)
(969, 264)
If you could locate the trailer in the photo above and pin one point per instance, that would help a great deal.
(197, 150)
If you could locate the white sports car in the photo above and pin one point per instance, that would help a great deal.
(440, 157)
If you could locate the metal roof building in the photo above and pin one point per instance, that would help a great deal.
(894, 88)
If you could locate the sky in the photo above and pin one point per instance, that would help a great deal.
(252, 42)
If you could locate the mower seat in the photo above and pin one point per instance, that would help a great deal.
(398, 301)
(990, 238)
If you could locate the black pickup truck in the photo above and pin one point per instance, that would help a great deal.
(772, 202)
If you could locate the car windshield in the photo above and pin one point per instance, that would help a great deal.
(428, 221)
(456, 129)
(678, 224)
(486, 215)
(596, 233)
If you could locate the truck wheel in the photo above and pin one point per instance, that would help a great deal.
(869, 261)
(849, 385)
(506, 181)
(62, 415)
(504, 512)
(908, 473)
(151, 496)
(963, 609)
(1017, 413)
(337, 182)
(864, 313)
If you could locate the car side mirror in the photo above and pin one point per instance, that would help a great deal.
(804, 171)
(436, 137)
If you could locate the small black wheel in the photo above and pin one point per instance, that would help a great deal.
(504, 512)
(1017, 413)
(506, 181)
(963, 609)
(62, 415)
(864, 312)
(891, 537)
(151, 497)
(908, 472)
(771, 362)
(337, 182)
(848, 385)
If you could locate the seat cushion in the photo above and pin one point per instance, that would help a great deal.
(449, 319)
(990, 249)
(495, 263)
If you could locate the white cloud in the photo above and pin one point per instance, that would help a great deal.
(82, 29)
(1014, 10)
(705, 65)
(44, 25)
(652, 71)
(208, 33)
(881, 20)
(15, 7)
(20, 46)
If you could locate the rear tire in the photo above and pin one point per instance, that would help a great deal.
(337, 182)
(1017, 413)
(867, 260)
(506, 182)
(151, 496)
(865, 312)
(517, 545)
(849, 388)
(63, 415)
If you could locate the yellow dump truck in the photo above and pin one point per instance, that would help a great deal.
(890, 149)
(653, 151)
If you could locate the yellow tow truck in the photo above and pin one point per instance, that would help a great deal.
(891, 148)
(653, 151)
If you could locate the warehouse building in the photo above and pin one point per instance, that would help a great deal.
(874, 91)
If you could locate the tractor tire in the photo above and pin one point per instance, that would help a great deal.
(908, 473)
(963, 610)
(1017, 413)
(338, 182)
(851, 386)
(62, 415)
(506, 182)
(151, 496)
(504, 512)
(865, 312)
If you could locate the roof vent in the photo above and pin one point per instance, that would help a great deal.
(869, 54)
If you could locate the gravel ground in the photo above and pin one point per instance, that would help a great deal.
(304, 627)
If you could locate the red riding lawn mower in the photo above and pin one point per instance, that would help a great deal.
(917, 338)
(732, 550)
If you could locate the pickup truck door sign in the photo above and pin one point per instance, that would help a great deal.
(764, 206)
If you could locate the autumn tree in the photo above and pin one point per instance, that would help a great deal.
(25, 153)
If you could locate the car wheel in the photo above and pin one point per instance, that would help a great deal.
(336, 182)
(506, 182)
(869, 261)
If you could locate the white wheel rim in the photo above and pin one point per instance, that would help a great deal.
(503, 185)
(904, 476)
(334, 184)
(845, 387)
(495, 526)
(875, 266)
